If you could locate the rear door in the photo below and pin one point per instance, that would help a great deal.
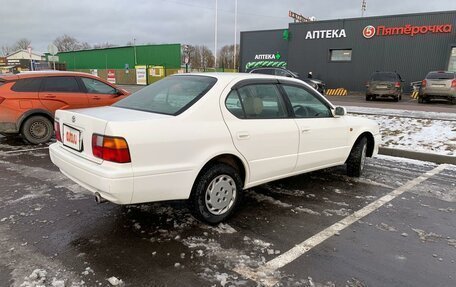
(99, 93)
(62, 92)
(262, 130)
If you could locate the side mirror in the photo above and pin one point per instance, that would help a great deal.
(340, 112)
(118, 93)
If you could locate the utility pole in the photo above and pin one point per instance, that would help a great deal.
(216, 18)
(363, 7)
(235, 33)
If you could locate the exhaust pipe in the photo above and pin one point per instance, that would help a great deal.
(99, 199)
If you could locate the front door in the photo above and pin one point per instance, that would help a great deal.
(323, 137)
(99, 93)
(262, 130)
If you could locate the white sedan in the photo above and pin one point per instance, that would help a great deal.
(205, 138)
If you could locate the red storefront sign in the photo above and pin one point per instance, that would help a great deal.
(408, 30)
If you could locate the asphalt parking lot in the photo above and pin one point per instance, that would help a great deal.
(395, 226)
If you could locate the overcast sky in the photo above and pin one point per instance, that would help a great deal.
(175, 21)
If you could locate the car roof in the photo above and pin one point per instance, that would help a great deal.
(51, 73)
(240, 76)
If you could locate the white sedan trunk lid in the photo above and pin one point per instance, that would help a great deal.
(78, 126)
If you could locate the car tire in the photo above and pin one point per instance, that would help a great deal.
(453, 101)
(216, 193)
(37, 130)
(396, 98)
(368, 98)
(420, 100)
(357, 158)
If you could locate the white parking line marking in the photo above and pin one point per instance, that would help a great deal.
(24, 150)
(263, 274)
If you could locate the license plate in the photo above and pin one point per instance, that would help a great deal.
(382, 87)
(438, 85)
(71, 138)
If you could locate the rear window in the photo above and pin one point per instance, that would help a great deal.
(170, 96)
(440, 76)
(61, 84)
(387, 77)
(27, 85)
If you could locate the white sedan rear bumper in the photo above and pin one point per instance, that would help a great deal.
(114, 183)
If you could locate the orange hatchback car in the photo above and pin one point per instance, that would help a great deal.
(28, 101)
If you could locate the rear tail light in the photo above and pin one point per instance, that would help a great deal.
(453, 85)
(108, 148)
(397, 85)
(423, 83)
(58, 134)
(1, 99)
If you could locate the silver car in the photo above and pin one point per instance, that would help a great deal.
(438, 85)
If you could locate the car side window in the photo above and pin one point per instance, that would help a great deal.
(61, 84)
(97, 87)
(305, 104)
(27, 85)
(234, 105)
(262, 101)
(282, 73)
(264, 71)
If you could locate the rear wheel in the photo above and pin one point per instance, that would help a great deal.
(420, 100)
(357, 158)
(37, 130)
(453, 100)
(396, 98)
(368, 98)
(216, 193)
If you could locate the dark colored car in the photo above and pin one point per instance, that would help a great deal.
(438, 85)
(318, 85)
(384, 85)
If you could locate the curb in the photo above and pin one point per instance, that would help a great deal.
(432, 157)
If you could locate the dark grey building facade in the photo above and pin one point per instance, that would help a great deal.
(344, 53)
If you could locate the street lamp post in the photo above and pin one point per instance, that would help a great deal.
(235, 33)
(215, 52)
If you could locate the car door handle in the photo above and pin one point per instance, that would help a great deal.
(96, 98)
(49, 96)
(305, 129)
(243, 135)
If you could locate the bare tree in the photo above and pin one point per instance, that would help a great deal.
(66, 43)
(6, 50)
(22, 44)
(226, 57)
(201, 57)
(85, 46)
(103, 45)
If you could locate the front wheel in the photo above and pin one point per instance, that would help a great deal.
(357, 158)
(216, 193)
(37, 130)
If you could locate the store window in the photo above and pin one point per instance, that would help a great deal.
(340, 55)
(452, 62)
